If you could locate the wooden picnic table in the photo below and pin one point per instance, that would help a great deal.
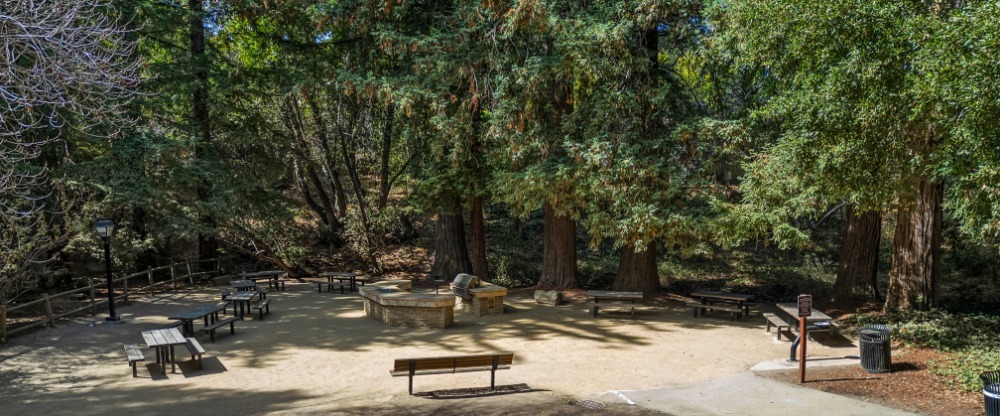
(208, 313)
(792, 310)
(603, 298)
(242, 300)
(244, 285)
(350, 277)
(164, 340)
(270, 275)
(710, 296)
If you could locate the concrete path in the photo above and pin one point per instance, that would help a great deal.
(748, 394)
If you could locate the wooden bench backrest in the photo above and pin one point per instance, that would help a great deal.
(453, 362)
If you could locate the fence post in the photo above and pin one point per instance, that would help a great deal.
(93, 297)
(173, 278)
(48, 310)
(3, 324)
(149, 272)
(190, 276)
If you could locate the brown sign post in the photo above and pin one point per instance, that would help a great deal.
(805, 309)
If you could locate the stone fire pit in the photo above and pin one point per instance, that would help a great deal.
(392, 303)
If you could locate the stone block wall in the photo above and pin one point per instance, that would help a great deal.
(411, 317)
(488, 305)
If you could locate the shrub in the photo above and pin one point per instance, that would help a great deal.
(962, 371)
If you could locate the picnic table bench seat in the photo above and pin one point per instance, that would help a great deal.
(734, 311)
(134, 355)
(196, 350)
(331, 285)
(453, 364)
(263, 305)
(222, 322)
(620, 307)
(777, 322)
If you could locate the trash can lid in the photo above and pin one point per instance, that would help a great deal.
(873, 336)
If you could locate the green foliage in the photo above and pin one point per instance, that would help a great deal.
(869, 95)
(962, 371)
(939, 329)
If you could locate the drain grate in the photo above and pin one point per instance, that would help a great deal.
(590, 404)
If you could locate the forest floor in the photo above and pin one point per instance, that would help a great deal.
(317, 353)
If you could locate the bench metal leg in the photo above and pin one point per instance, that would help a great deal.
(493, 372)
(413, 369)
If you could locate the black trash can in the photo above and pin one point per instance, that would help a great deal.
(876, 348)
(991, 392)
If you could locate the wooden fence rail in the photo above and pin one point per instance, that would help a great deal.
(46, 300)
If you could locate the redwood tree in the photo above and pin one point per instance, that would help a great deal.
(858, 264)
(877, 105)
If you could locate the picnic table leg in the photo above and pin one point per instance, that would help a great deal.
(173, 362)
(593, 311)
(161, 352)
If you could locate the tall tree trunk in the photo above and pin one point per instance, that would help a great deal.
(327, 204)
(559, 261)
(208, 245)
(480, 266)
(451, 257)
(478, 239)
(916, 247)
(637, 271)
(340, 198)
(858, 256)
(384, 183)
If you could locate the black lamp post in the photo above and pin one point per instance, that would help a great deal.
(104, 229)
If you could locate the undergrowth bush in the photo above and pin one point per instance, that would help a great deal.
(972, 337)
(962, 371)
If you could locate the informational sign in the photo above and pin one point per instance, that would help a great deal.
(805, 305)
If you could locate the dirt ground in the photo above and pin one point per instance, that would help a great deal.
(317, 353)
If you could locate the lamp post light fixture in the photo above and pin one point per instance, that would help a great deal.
(104, 229)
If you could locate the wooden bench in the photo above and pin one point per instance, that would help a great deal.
(262, 291)
(222, 322)
(734, 311)
(262, 306)
(453, 364)
(331, 285)
(194, 347)
(827, 332)
(620, 307)
(777, 322)
(134, 355)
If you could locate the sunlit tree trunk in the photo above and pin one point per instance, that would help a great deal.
(637, 271)
(916, 259)
(559, 261)
(451, 256)
(477, 227)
